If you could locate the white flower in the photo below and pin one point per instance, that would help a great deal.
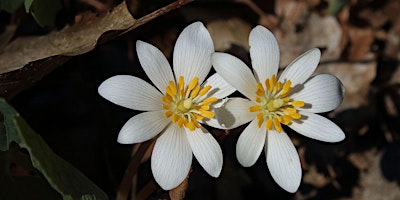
(292, 100)
(174, 107)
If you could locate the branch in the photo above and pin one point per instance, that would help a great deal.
(28, 59)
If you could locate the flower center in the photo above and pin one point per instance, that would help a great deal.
(184, 105)
(274, 106)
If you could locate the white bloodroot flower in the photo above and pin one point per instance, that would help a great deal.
(175, 107)
(291, 100)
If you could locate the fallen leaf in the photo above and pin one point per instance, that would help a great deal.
(227, 32)
(70, 41)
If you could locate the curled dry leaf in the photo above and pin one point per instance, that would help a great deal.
(70, 41)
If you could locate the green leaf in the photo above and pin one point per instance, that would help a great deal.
(62, 176)
(335, 6)
(10, 5)
(44, 11)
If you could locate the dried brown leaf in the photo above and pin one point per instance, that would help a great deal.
(227, 32)
(360, 43)
(70, 41)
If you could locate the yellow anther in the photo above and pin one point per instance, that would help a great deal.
(181, 121)
(277, 124)
(166, 107)
(196, 124)
(209, 100)
(298, 103)
(278, 86)
(286, 99)
(260, 122)
(286, 88)
(260, 90)
(295, 115)
(167, 99)
(181, 83)
(194, 92)
(258, 100)
(190, 126)
(205, 107)
(169, 91)
(168, 114)
(193, 83)
(269, 124)
(260, 116)
(289, 111)
(286, 119)
(198, 117)
(255, 108)
(204, 90)
(272, 82)
(175, 118)
(206, 113)
(172, 86)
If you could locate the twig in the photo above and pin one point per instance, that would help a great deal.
(126, 183)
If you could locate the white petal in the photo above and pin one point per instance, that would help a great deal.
(233, 113)
(283, 161)
(171, 158)
(192, 53)
(250, 143)
(236, 73)
(264, 53)
(155, 65)
(142, 127)
(317, 127)
(131, 92)
(321, 93)
(300, 69)
(220, 88)
(206, 150)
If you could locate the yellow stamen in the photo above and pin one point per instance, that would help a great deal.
(193, 83)
(190, 126)
(194, 92)
(277, 125)
(286, 119)
(286, 88)
(269, 124)
(166, 107)
(182, 103)
(172, 86)
(298, 103)
(206, 113)
(204, 90)
(167, 99)
(175, 118)
(209, 100)
(181, 83)
(168, 114)
(255, 108)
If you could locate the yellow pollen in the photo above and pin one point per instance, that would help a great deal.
(183, 105)
(273, 104)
